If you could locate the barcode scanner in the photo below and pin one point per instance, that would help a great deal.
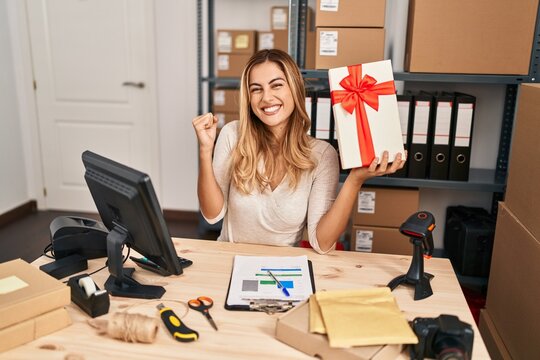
(418, 227)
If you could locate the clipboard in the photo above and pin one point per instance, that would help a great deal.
(268, 305)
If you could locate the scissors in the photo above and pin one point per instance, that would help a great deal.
(202, 304)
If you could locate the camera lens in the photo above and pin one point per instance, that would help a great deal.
(450, 348)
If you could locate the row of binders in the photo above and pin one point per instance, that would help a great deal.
(436, 127)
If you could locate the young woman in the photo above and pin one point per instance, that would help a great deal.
(268, 179)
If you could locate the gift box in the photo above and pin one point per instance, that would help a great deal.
(366, 113)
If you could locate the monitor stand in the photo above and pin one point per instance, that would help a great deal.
(121, 282)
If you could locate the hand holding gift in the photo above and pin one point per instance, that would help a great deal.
(366, 114)
(376, 168)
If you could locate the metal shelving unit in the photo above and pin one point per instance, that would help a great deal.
(482, 180)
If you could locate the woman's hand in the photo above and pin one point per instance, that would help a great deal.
(206, 128)
(360, 175)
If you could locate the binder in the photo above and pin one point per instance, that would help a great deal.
(461, 135)
(268, 305)
(324, 110)
(421, 132)
(406, 114)
(311, 109)
(441, 113)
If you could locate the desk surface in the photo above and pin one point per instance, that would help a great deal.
(243, 334)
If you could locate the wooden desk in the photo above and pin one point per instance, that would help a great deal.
(242, 334)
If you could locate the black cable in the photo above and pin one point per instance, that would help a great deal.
(47, 249)
(107, 263)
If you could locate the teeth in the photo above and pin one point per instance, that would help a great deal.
(271, 109)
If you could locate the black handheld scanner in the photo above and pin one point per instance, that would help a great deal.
(420, 226)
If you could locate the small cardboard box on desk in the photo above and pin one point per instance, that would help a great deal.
(366, 113)
(31, 304)
(293, 329)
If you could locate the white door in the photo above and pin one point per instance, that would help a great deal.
(95, 88)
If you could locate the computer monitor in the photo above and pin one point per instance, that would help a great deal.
(129, 208)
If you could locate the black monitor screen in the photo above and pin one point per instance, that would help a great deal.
(129, 208)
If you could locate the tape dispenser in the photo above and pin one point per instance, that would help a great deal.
(88, 296)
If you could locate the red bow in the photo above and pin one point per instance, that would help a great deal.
(357, 91)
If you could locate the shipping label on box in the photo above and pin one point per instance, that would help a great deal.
(366, 202)
(350, 13)
(366, 113)
(364, 240)
(279, 18)
(383, 240)
(266, 40)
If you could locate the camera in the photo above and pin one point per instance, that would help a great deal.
(444, 337)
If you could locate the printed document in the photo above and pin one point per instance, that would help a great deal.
(251, 280)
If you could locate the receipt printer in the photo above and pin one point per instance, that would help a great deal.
(78, 235)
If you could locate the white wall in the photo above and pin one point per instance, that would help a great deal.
(176, 47)
(13, 185)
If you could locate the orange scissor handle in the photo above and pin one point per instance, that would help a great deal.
(202, 303)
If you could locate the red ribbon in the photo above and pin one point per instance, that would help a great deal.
(358, 91)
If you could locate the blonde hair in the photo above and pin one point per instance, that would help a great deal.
(255, 141)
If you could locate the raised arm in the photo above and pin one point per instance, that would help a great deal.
(334, 222)
(211, 198)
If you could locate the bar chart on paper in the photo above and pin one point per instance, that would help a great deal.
(251, 278)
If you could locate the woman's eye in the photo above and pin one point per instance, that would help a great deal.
(277, 86)
(255, 90)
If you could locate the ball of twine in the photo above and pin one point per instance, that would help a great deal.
(128, 327)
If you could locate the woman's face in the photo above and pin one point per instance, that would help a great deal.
(271, 98)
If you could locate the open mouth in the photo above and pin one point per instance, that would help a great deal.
(271, 110)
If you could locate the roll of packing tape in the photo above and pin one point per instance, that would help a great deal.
(88, 285)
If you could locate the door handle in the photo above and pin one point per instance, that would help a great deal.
(139, 85)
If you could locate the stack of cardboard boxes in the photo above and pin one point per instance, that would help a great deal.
(349, 32)
(510, 324)
(31, 304)
(376, 219)
(226, 105)
(278, 36)
(234, 48)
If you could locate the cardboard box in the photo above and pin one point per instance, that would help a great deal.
(279, 18)
(26, 292)
(231, 65)
(348, 46)
(292, 328)
(513, 292)
(31, 329)
(275, 39)
(522, 191)
(376, 206)
(494, 343)
(365, 128)
(226, 100)
(383, 240)
(279, 39)
(226, 117)
(350, 13)
(236, 41)
(470, 37)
